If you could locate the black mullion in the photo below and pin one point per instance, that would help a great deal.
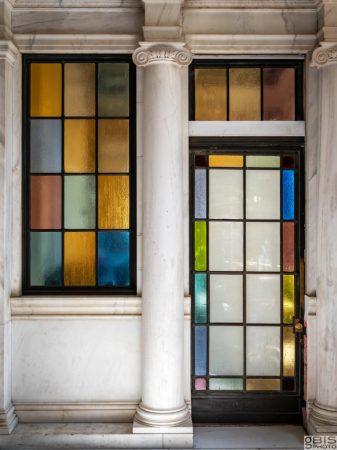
(281, 268)
(261, 81)
(96, 171)
(227, 72)
(62, 174)
(244, 275)
(208, 277)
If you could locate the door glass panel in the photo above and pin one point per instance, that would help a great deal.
(263, 194)
(262, 384)
(200, 194)
(226, 384)
(225, 246)
(226, 350)
(225, 194)
(263, 298)
(263, 246)
(263, 351)
(226, 298)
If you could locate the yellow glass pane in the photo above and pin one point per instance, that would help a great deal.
(288, 298)
(113, 202)
(225, 161)
(79, 259)
(288, 352)
(113, 146)
(45, 90)
(210, 94)
(79, 89)
(244, 94)
(260, 384)
(79, 146)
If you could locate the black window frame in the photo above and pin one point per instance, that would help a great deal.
(78, 290)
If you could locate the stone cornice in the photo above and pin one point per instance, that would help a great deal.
(254, 4)
(31, 4)
(325, 53)
(162, 52)
(8, 51)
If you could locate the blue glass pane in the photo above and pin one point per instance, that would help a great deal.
(113, 258)
(200, 194)
(45, 146)
(200, 298)
(200, 350)
(288, 195)
(45, 258)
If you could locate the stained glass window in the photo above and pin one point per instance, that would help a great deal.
(80, 222)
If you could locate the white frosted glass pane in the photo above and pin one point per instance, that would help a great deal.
(226, 294)
(263, 351)
(226, 350)
(226, 246)
(263, 194)
(225, 194)
(262, 247)
(263, 298)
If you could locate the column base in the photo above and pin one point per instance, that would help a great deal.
(322, 422)
(175, 422)
(8, 420)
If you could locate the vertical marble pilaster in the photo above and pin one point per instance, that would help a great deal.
(8, 52)
(163, 406)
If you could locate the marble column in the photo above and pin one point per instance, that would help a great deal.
(323, 415)
(8, 53)
(163, 402)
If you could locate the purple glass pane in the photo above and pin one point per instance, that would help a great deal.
(289, 162)
(200, 160)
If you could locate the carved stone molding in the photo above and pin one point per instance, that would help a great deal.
(8, 51)
(8, 420)
(323, 415)
(162, 52)
(324, 54)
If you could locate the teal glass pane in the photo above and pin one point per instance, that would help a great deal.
(288, 194)
(79, 202)
(200, 298)
(226, 384)
(113, 90)
(113, 258)
(262, 161)
(45, 258)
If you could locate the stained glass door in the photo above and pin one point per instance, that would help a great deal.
(246, 244)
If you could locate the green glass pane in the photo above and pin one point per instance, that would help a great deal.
(79, 202)
(226, 384)
(200, 298)
(262, 161)
(200, 246)
(45, 258)
(113, 90)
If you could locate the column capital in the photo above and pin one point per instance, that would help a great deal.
(325, 53)
(150, 52)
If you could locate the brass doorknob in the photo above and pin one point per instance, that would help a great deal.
(299, 327)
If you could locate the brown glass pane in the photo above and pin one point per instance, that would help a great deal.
(113, 146)
(45, 90)
(244, 94)
(45, 202)
(210, 94)
(79, 89)
(288, 384)
(288, 247)
(278, 94)
(79, 146)
(79, 259)
(200, 160)
(289, 162)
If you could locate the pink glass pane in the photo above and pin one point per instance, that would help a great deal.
(288, 247)
(200, 384)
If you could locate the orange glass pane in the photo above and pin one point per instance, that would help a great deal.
(45, 202)
(79, 89)
(244, 94)
(79, 259)
(113, 146)
(263, 384)
(225, 161)
(79, 146)
(210, 94)
(45, 90)
(113, 202)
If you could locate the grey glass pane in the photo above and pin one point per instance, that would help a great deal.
(226, 350)
(200, 194)
(226, 297)
(226, 246)
(263, 298)
(225, 194)
(45, 146)
(263, 246)
(263, 194)
(113, 90)
(79, 202)
(263, 351)
(45, 258)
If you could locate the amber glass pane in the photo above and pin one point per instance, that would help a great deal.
(113, 202)
(79, 146)
(79, 89)
(288, 352)
(113, 146)
(244, 94)
(45, 90)
(79, 259)
(288, 247)
(225, 161)
(260, 384)
(113, 90)
(288, 298)
(210, 94)
(45, 202)
(278, 94)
